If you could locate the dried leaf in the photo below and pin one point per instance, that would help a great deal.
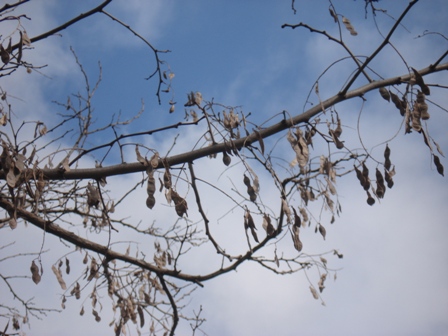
(58, 274)
(35, 273)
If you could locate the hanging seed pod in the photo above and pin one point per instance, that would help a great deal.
(397, 102)
(226, 158)
(359, 176)
(333, 15)
(180, 204)
(387, 162)
(388, 178)
(384, 93)
(370, 199)
(93, 196)
(421, 106)
(267, 225)
(420, 82)
(438, 165)
(246, 181)
(380, 188)
(4, 55)
(322, 231)
(296, 239)
(349, 26)
(365, 174)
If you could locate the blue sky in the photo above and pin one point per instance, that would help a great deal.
(393, 276)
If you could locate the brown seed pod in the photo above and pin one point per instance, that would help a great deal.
(226, 158)
(384, 93)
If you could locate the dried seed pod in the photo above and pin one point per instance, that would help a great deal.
(151, 186)
(314, 293)
(370, 199)
(93, 196)
(387, 162)
(388, 178)
(267, 225)
(226, 158)
(360, 176)
(338, 130)
(397, 102)
(384, 93)
(296, 239)
(58, 274)
(420, 82)
(180, 204)
(322, 231)
(150, 202)
(246, 181)
(4, 55)
(250, 224)
(365, 174)
(35, 273)
(339, 144)
(349, 26)
(333, 15)
(421, 106)
(439, 166)
(380, 188)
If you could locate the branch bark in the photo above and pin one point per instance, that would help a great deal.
(129, 168)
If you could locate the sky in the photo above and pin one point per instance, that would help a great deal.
(392, 279)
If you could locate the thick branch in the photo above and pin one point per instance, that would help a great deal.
(129, 168)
